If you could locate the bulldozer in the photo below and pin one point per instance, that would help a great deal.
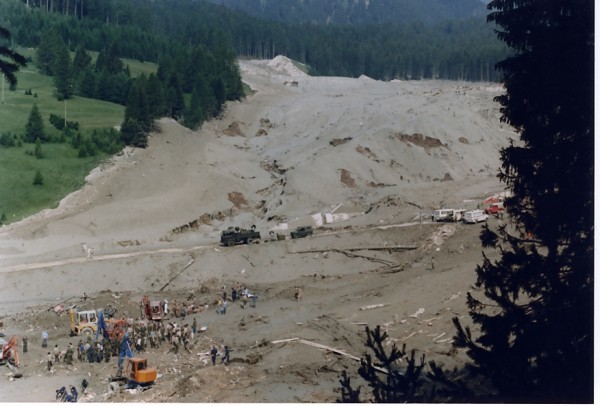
(85, 322)
(137, 373)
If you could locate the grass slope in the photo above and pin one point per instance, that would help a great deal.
(63, 171)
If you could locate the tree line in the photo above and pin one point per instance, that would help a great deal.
(353, 12)
(455, 49)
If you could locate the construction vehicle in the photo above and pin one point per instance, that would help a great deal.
(9, 355)
(153, 309)
(301, 232)
(137, 373)
(85, 322)
(233, 236)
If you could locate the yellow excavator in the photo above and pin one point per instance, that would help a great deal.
(85, 322)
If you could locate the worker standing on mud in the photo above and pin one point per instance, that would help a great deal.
(25, 343)
(50, 358)
(56, 353)
(213, 355)
(225, 357)
(107, 350)
(69, 354)
(225, 303)
(44, 339)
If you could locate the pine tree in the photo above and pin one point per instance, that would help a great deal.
(38, 149)
(46, 51)
(10, 61)
(34, 129)
(137, 105)
(62, 70)
(38, 179)
(194, 114)
(87, 83)
(81, 61)
(536, 340)
(174, 97)
(155, 96)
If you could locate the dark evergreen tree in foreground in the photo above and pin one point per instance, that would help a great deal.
(536, 321)
(389, 382)
(10, 61)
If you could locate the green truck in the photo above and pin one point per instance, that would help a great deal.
(301, 232)
(235, 235)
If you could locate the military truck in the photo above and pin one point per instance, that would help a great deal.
(233, 236)
(301, 232)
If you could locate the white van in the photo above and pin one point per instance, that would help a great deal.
(475, 216)
(447, 215)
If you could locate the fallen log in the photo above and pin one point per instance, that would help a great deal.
(176, 275)
(379, 248)
(388, 269)
(286, 340)
(248, 259)
(326, 348)
(375, 306)
(347, 253)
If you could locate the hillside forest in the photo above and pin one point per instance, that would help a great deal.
(412, 46)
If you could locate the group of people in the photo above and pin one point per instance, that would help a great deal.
(142, 334)
(57, 356)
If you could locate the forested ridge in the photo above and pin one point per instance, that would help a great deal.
(464, 49)
(358, 11)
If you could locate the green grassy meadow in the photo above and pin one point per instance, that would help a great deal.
(62, 170)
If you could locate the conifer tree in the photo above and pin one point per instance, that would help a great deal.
(10, 61)
(174, 97)
(34, 129)
(38, 179)
(536, 320)
(155, 96)
(46, 51)
(62, 71)
(81, 61)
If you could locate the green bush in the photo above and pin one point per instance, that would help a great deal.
(38, 179)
